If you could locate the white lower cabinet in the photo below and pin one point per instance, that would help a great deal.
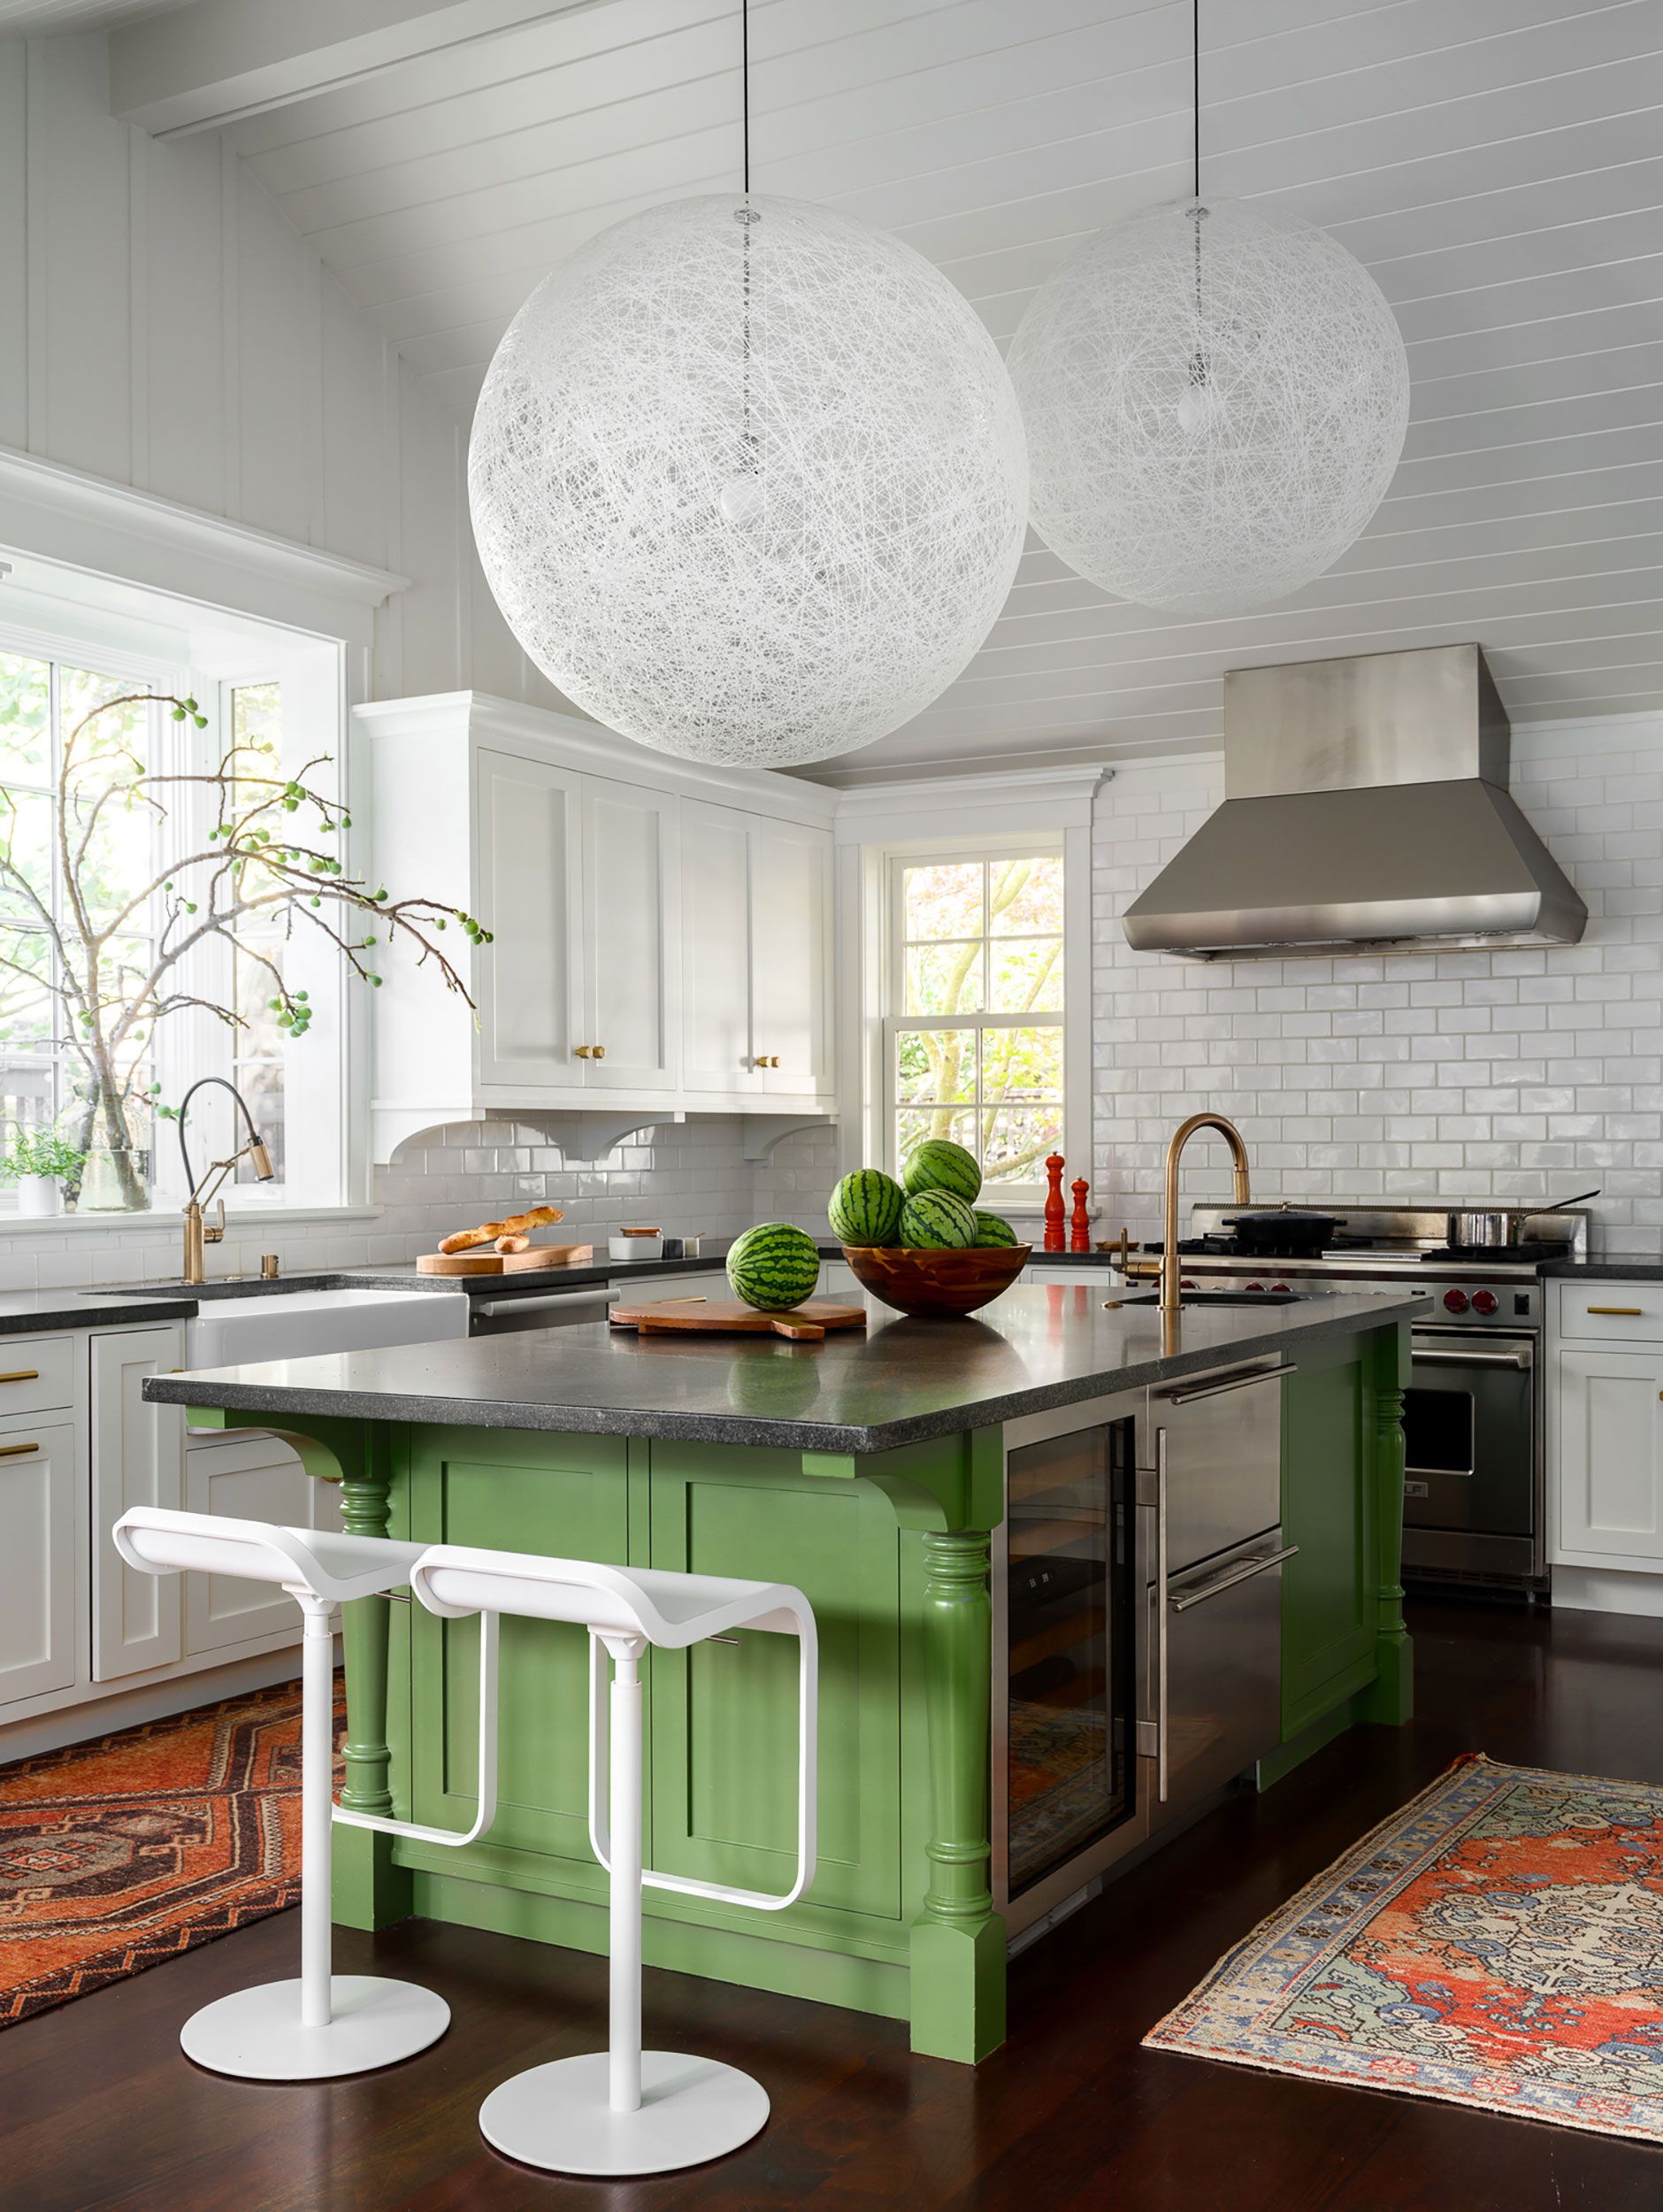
(247, 1478)
(41, 1544)
(138, 1458)
(1611, 1455)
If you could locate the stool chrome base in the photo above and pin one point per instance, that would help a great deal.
(557, 2116)
(256, 2035)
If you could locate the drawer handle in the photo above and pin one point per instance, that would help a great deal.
(1230, 1382)
(1632, 1313)
(16, 1451)
(22, 1374)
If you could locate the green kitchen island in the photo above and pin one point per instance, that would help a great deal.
(871, 1471)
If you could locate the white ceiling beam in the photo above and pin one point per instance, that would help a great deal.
(214, 62)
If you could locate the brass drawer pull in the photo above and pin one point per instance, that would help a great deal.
(1632, 1312)
(22, 1374)
(16, 1451)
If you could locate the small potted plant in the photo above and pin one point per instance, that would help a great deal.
(39, 1164)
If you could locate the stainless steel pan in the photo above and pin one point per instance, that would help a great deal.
(1495, 1226)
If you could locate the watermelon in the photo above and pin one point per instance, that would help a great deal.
(935, 1220)
(937, 1164)
(773, 1266)
(994, 1229)
(865, 1208)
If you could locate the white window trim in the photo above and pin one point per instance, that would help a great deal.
(926, 817)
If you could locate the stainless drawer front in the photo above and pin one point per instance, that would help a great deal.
(1224, 1457)
(1223, 1642)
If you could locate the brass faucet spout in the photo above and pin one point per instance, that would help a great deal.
(1170, 1271)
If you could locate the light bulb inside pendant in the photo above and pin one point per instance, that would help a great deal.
(742, 497)
(1200, 407)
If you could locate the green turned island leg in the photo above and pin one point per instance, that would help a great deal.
(370, 1891)
(1390, 1697)
(958, 1943)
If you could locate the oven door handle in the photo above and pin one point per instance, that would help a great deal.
(1244, 1570)
(1523, 1359)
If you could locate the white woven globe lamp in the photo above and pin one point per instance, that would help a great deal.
(748, 480)
(1215, 398)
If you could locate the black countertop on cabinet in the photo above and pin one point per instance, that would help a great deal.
(1616, 1269)
(899, 1382)
(22, 1311)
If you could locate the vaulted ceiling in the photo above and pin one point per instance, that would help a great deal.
(1497, 164)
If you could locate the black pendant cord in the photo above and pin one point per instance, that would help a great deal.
(745, 87)
(1195, 95)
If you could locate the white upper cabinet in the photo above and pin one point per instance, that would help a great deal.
(791, 957)
(756, 957)
(531, 980)
(661, 931)
(632, 896)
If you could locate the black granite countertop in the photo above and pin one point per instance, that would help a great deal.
(899, 1382)
(22, 1311)
(1608, 1271)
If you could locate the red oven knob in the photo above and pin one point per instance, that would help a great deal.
(1455, 1300)
(1278, 1286)
(1255, 1285)
(1485, 1301)
(1185, 1283)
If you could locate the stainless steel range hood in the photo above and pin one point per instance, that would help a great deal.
(1365, 808)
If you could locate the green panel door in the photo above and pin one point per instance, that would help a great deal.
(565, 1495)
(1328, 1591)
(724, 1722)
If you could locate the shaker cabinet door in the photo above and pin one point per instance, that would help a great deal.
(715, 950)
(790, 949)
(1609, 1457)
(631, 911)
(138, 1458)
(724, 1715)
(530, 878)
(39, 1539)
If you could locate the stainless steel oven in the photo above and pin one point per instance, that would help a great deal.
(1472, 1431)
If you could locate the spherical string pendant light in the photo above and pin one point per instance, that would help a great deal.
(748, 480)
(1215, 398)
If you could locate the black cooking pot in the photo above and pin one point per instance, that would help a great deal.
(1283, 1231)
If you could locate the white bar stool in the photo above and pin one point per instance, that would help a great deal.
(623, 2111)
(322, 2024)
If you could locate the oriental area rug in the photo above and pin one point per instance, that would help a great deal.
(1497, 1944)
(118, 1854)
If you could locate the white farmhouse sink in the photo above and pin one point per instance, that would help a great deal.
(238, 1332)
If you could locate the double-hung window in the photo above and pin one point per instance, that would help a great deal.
(974, 1046)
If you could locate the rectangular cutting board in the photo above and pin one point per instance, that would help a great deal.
(805, 1324)
(485, 1261)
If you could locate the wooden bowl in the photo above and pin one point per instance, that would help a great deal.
(933, 1285)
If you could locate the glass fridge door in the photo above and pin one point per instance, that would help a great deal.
(1069, 1616)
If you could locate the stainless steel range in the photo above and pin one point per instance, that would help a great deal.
(1472, 1508)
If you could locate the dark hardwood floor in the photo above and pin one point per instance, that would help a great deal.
(99, 2113)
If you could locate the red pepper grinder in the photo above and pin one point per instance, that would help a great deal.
(1079, 1225)
(1055, 1210)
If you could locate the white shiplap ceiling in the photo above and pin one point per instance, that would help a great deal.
(1497, 164)
(38, 19)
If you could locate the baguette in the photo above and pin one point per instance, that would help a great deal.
(488, 1232)
(505, 1245)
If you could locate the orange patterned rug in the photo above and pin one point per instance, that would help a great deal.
(118, 1854)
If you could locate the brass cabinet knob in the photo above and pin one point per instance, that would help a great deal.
(583, 1052)
(774, 1062)
(597, 1052)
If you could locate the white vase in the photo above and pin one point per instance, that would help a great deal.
(39, 1195)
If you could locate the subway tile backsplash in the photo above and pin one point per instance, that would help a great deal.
(1516, 1075)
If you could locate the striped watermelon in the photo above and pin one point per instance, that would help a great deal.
(937, 1164)
(935, 1220)
(773, 1266)
(865, 1208)
(994, 1229)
